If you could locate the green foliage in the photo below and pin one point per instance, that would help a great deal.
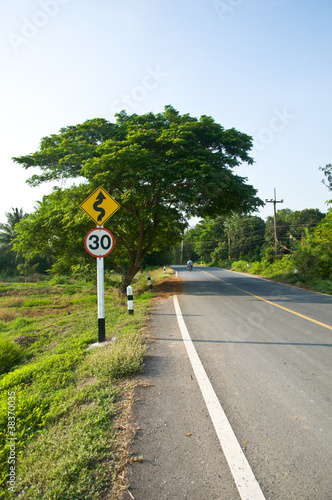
(327, 170)
(76, 455)
(8, 258)
(227, 238)
(240, 266)
(161, 168)
(7, 230)
(292, 227)
(304, 245)
(309, 263)
(10, 355)
(67, 397)
(320, 285)
(279, 268)
(204, 237)
(314, 255)
(12, 259)
(123, 359)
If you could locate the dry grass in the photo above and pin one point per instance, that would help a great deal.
(125, 433)
(8, 315)
(167, 287)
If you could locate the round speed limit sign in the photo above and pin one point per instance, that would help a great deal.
(99, 242)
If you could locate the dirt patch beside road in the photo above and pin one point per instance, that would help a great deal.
(167, 287)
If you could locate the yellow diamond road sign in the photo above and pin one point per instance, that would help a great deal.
(100, 206)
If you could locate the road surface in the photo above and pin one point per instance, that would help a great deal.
(266, 352)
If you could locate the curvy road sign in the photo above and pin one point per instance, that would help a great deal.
(99, 242)
(100, 206)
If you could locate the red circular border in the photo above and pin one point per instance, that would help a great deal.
(98, 229)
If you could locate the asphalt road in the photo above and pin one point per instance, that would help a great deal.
(266, 349)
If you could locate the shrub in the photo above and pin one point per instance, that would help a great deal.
(241, 266)
(122, 359)
(10, 355)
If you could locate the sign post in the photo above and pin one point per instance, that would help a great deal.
(101, 300)
(99, 242)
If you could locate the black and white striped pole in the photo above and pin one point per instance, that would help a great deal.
(149, 280)
(101, 300)
(130, 300)
(99, 242)
(164, 269)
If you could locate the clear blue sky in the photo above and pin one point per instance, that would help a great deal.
(261, 66)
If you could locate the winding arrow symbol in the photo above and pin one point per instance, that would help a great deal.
(99, 200)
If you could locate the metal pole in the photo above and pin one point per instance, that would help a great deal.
(101, 299)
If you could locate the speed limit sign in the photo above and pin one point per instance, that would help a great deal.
(99, 242)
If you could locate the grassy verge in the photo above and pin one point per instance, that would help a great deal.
(62, 405)
(283, 270)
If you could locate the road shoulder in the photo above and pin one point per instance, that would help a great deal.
(175, 452)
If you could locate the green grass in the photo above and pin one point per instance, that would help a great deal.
(67, 398)
(10, 355)
(283, 270)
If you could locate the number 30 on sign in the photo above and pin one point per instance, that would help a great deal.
(99, 242)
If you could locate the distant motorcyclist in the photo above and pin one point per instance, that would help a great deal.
(190, 265)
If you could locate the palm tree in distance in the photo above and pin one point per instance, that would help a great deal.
(7, 230)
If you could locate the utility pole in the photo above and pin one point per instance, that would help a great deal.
(229, 242)
(181, 258)
(275, 201)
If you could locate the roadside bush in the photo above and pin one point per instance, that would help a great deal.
(121, 359)
(281, 268)
(10, 355)
(321, 285)
(257, 267)
(241, 266)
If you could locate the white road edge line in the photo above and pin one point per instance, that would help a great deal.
(244, 478)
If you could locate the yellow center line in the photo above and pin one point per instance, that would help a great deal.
(272, 303)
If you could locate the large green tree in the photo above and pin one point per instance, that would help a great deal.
(162, 169)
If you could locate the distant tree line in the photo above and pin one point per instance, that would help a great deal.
(250, 238)
(300, 251)
(300, 233)
(304, 242)
(14, 263)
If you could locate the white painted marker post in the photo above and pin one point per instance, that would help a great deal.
(149, 280)
(130, 299)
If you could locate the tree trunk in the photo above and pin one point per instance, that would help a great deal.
(140, 253)
(127, 278)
